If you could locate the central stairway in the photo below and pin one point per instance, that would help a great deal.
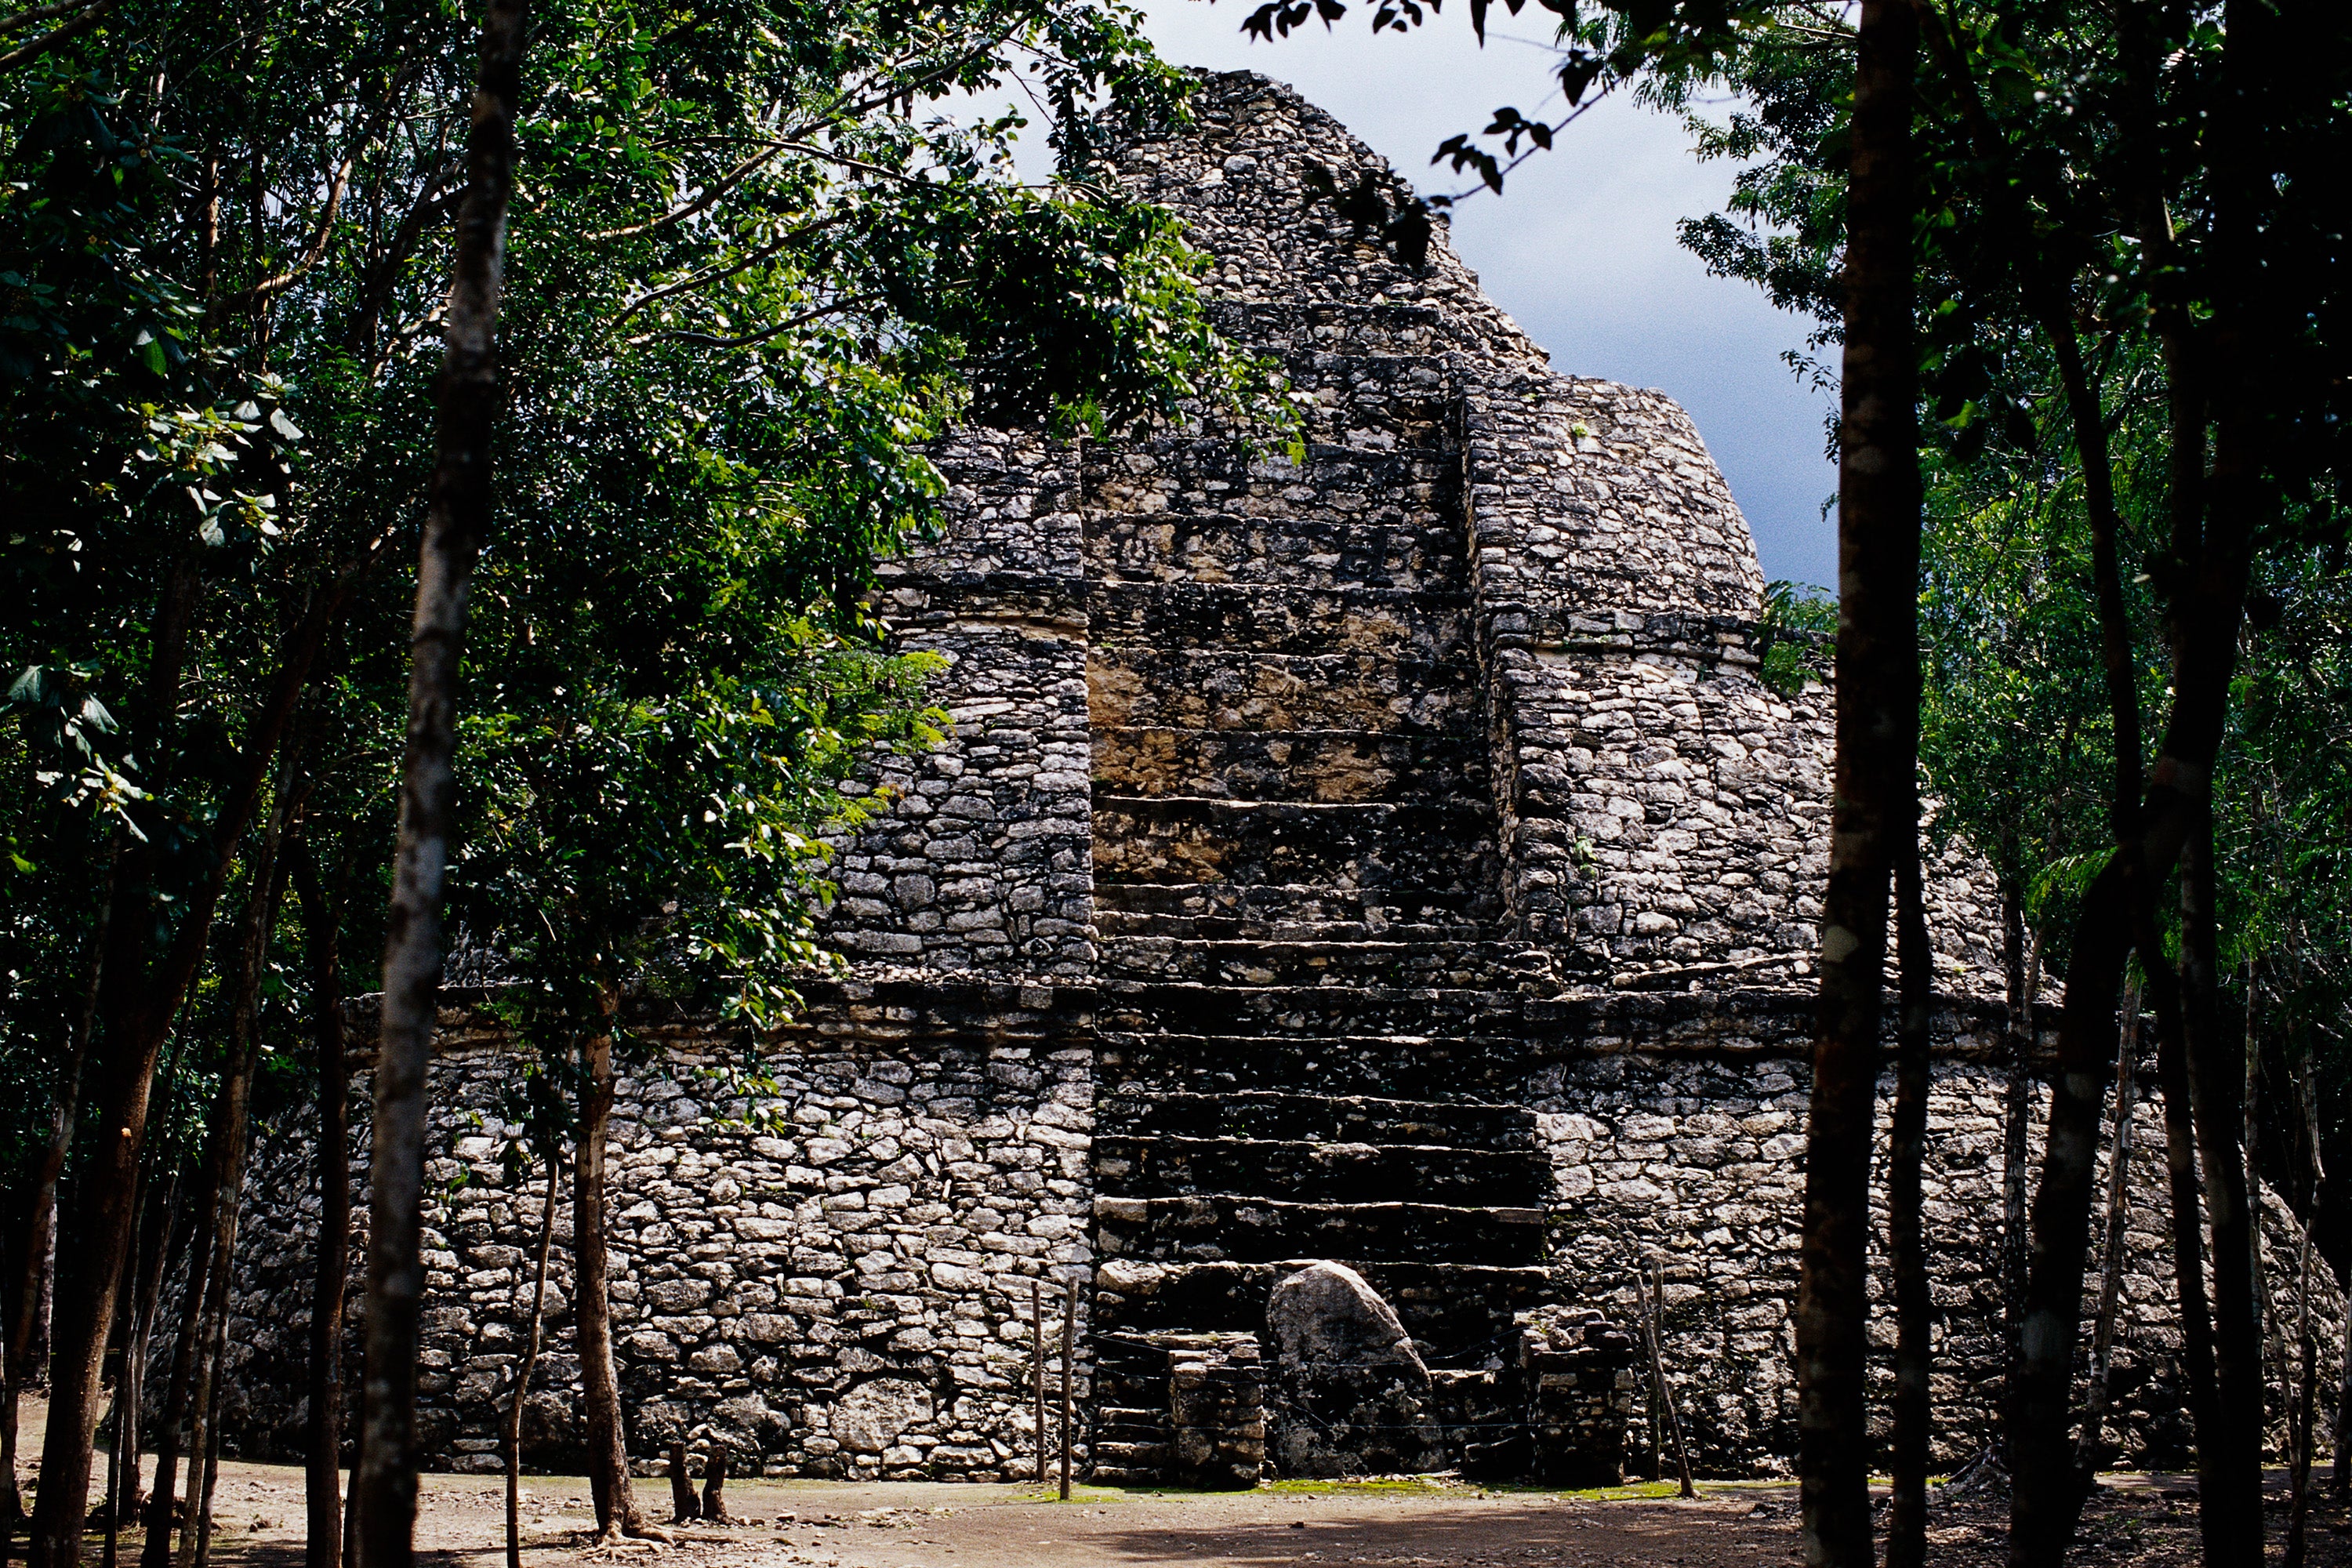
(1306, 1020)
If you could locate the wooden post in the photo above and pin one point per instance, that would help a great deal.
(1037, 1378)
(714, 1485)
(1069, 1353)
(682, 1506)
(1657, 1391)
(1665, 1394)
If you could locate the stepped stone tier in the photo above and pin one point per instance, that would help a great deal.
(1388, 859)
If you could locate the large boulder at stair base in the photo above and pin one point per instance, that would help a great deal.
(1352, 1396)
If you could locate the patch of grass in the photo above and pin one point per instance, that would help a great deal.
(1342, 1488)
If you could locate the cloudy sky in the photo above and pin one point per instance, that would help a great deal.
(1580, 246)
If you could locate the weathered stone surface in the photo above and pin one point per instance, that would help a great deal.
(1352, 1395)
(1386, 855)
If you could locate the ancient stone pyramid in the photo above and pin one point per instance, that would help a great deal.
(1334, 800)
(1388, 859)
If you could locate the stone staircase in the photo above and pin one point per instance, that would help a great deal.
(1306, 1020)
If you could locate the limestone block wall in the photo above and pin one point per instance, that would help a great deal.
(1695, 1157)
(832, 1275)
(1244, 159)
(982, 862)
(1660, 805)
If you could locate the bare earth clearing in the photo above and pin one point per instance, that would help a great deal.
(1430, 1522)
(936, 1525)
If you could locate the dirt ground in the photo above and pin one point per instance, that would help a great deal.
(1428, 1523)
(1423, 1522)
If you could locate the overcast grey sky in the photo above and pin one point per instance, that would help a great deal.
(1580, 246)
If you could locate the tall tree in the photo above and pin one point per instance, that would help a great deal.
(384, 1490)
(1876, 740)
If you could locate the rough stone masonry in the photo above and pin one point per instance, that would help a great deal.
(1388, 859)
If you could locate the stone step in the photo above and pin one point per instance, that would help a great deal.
(1293, 1117)
(1312, 1011)
(1458, 1314)
(1130, 1066)
(1283, 906)
(1318, 765)
(1220, 1228)
(1333, 484)
(1428, 554)
(1232, 689)
(1113, 924)
(1382, 623)
(1128, 1425)
(1128, 1464)
(1377, 401)
(1170, 1167)
(1354, 845)
(1262, 961)
(1373, 328)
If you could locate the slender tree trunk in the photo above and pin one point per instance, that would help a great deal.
(112, 1530)
(232, 1121)
(322, 1478)
(1877, 729)
(169, 1430)
(2093, 1449)
(2250, 1140)
(2303, 1425)
(139, 997)
(2217, 1073)
(2184, 1185)
(599, 1403)
(169, 1237)
(2306, 1408)
(2340, 1473)
(384, 1485)
(2045, 1501)
(1906, 1524)
(2016, 1130)
(24, 1327)
(529, 1363)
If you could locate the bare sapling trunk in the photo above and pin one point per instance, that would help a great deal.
(171, 1430)
(26, 1311)
(111, 1530)
(592, 1302)
(1037, 1370)
(2339, 1469)
(1876, 748)
(231, 1121)
(1907, 1523)
(2016, 1160)
(522, 1395)
(2304, 1434)
(2184, 1185)
(1654, 1323)
(139, 996)
(1656, 1468)
(383, 1484)
(168, 1236)
(323, 1441)
(2304, 1394)
(2217, 1077)
(2250, 1140)
(2091, 1451)
(1069, 1365)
